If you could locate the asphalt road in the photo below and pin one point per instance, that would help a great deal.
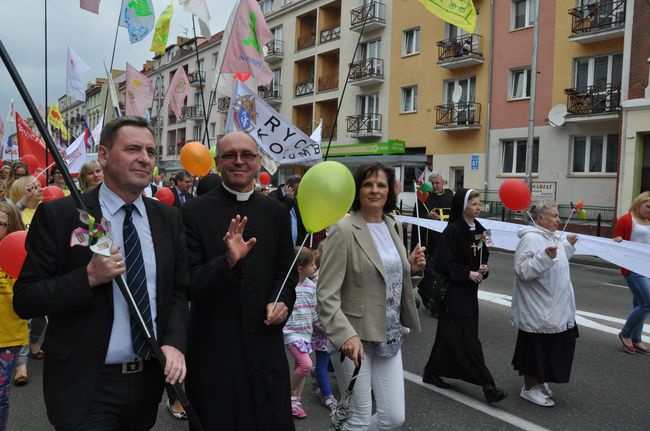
(608, 388)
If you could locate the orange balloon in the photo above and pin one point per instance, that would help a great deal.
(195, 158)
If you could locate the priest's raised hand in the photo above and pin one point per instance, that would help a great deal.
(236, 247)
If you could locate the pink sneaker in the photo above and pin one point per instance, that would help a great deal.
(297, 410)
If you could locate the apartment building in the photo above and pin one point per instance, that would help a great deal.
(634, 165)
(313, 49)
(74, 113)
(438, 92)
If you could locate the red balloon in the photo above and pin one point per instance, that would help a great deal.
(515, 195)
(30, 161)
(422, 197)
(40, 178)
(52, 193)
(13, 253)
(165, 195)
(265, 179)
(580, 204)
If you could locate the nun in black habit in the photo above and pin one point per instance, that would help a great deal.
(457, 351)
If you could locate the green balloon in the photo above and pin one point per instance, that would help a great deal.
(582, 214)
(426, 187)
(213, 154)
(325, 195)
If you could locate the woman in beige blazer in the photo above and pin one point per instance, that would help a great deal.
(365, 298)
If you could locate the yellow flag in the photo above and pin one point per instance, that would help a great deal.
(460, 13)
(56, 120)
(160, 35)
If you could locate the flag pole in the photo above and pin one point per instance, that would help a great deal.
(76, 195)
(347, 78)
(110, 71)
(47, 162)
(198, 65)
(533, 92)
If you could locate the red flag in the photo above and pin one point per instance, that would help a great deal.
(90, 5)
(29, 143)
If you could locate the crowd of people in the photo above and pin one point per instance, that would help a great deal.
(212, 278)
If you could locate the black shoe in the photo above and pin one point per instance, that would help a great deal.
(494, 394)
(435, 381)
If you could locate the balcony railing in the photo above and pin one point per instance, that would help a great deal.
(364, 125)
(463, 114)
(467, 45)
(172, 116)
(597, 17)
(306, 42)
(271, 92)
(305, 87)
(366, 69)
(594, 99)
(223, 104)
(330, 33)
(373, 13)
(196, 77)
(328, 82)
(274, 50)
(193, 112)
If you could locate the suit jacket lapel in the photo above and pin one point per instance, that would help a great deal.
(364, 238)
(156, 225)
(91, 200)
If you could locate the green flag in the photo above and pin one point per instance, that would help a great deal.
(161, 33)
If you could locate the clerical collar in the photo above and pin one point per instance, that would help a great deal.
(241, 196)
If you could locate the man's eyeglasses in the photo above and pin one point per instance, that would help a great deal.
(231, 157)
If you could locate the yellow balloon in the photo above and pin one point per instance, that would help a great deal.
(325, 195)
(195, 158)
(155, 171)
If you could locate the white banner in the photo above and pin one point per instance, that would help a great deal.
(277, 138)
(627, 254)
(75, 154)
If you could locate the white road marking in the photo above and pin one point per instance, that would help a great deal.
(615, 285)
(583, 318)
(516, 421)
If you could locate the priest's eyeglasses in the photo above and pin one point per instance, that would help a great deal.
(245, 157)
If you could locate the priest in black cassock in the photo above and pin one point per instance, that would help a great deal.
(240, 250)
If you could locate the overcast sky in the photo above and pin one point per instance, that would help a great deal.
(22, 31)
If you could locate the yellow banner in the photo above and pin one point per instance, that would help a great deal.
(460, 13)
(56, 120)
(161, 33)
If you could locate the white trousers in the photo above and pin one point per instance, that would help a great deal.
(383, 377)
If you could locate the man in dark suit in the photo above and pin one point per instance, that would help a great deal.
(287, 193)
(238, 377)
(181, 189)
(99, 373)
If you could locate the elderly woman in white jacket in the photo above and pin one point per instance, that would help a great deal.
(543, 305)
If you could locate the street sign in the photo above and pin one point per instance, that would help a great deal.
(475, 162)
(543, 190)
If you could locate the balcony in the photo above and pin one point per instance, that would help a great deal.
(364, 125)
(306, 42)
(196, 78)
(274, 51)
(223, 104)
(601, 20)
(328, 82)
(193, 112)
(369, 17)
(271, 94)
(326, 131)
(593, 103)
(304, 88)
(367, 72)
(462, 51)
(330, 33)
(172, 117)
(458, 116)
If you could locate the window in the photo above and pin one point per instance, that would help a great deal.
(409, 99)
(595, 154)
(276, 33)
(523, 13)
(520, 84)
(598, 71)
(368, 105)
(215, 59)
(213, 130)
(196, 133)
(371, 49)
(514, 156)
(411, 41)
(266, 6)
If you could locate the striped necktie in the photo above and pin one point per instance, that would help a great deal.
(137, 281)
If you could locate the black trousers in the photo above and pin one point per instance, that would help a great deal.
(124, 402)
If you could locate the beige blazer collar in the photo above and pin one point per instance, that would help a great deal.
(367, 244)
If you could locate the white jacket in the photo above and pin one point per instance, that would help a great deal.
(542, 297)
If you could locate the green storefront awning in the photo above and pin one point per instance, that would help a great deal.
(373, 148)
